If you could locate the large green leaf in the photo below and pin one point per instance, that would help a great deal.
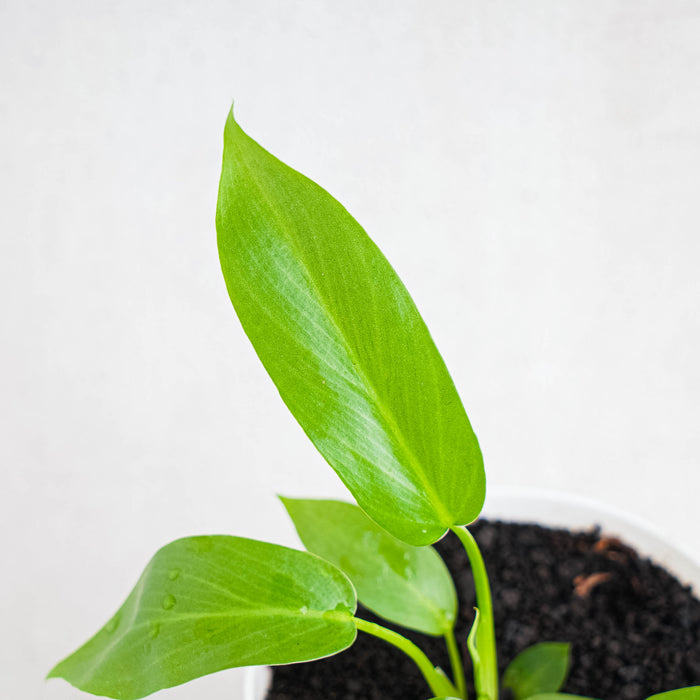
(692, 693)
(204, 604)
(345, 345)
(541, 668)
(408, 585)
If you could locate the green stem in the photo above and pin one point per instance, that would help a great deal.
(456, 663)
(439, 684)
(486, 679)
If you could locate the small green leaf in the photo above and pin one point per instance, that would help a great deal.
(541, 668)
(410, 586)
(472, 647)
(692, 693)
(558, 696)
(204, 604)
(345, 345)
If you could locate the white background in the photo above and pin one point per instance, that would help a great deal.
(530, 169)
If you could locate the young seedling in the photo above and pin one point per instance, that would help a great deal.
(355, 364)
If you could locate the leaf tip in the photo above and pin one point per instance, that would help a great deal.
(231, 124)
(57, 671)
(286, 501)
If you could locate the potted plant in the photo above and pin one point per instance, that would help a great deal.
(632, 629)
(355, 364)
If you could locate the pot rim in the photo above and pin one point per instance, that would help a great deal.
(559, 509)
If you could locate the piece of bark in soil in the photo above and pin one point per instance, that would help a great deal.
(634, 631)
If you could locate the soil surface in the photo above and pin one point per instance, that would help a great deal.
(634, 629)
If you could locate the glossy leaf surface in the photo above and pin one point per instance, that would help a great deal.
(204, 604)
(692, 693)
(410, 586)
(541, 668)
(345, 345)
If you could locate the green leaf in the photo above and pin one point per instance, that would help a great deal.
(472, 647)
(692, 693)
(345, 345)
(204, 604)
(410, 586)
(541, 668)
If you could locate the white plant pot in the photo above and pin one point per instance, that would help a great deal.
(553, 510)
(256, 682)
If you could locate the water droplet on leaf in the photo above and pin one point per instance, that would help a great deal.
(168, 602)
(174, 573)
(154, 630)
(303, 610)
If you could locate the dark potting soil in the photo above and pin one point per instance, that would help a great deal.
(634, 629)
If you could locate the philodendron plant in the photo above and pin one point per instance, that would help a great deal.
(355, 364)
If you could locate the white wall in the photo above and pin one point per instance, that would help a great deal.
(530, 169)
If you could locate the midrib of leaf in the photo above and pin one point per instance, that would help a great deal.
(288, 636)
(129, 628)
(386, 413)
(251, 612)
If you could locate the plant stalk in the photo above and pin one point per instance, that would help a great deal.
(456, 663)
(439, 684)
(486, 678)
